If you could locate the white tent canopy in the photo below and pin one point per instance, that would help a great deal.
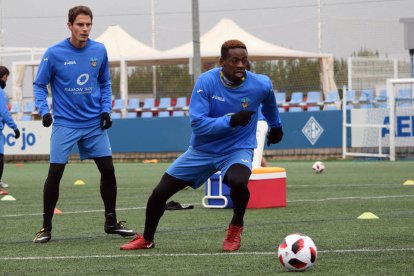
(225, 29)
(121, 46)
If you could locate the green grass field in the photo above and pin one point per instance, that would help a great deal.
(188, 242)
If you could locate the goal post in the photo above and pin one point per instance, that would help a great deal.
(386, 129)
(364, 135)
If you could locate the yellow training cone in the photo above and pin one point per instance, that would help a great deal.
(8, 198)
(409, 182)
(79, 182)
(368, 215)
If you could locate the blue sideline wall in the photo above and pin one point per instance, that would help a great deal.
(150, 134)
(303, 130)
(324, 129)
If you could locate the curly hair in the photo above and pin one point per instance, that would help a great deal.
(231, 44)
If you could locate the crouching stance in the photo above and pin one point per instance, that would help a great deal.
(223, 114)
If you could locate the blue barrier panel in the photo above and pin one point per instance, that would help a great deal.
(320, 129)
(150, 134)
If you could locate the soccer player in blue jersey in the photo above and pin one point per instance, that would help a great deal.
(78, 73)
(5, 118)
(223, 116)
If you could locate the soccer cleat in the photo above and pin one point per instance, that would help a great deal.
(3, 185)
(138, 243)
(3, 192)
(119, 228)
(42, 236)
(233, 238)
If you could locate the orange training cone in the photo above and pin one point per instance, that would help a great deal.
(57, 211)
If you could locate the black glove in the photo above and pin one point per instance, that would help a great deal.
(16, 133)
(106, 120)
(241, 118)
(47, 120)
(275, 135)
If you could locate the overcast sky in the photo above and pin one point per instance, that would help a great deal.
(347, 25)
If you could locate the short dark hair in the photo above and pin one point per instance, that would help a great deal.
(231, 44)
(75, 11)
(4, 71)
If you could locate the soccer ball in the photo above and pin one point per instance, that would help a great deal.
(318, 167)
(297, 252)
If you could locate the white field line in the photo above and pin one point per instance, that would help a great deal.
(349, 198)
(358, 250)
(295, 186)
(289, 201)
(72, 212)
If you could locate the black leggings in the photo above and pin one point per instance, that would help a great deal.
(236, 177)
(1, 165)
(108, 189)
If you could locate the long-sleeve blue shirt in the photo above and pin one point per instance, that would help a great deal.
(5, 116)
(80, 83)
(212, 103)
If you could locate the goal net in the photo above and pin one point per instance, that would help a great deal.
(383, 128)
(372, 73)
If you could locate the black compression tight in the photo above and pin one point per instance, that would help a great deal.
(108, 186)
(51, 193)
(167, 187)
(108, 189)
(237, 177)
(1, 165)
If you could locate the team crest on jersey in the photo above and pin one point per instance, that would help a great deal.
(245, 101)
(93, 61)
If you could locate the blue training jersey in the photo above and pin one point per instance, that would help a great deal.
(5, 116)
(212, 103)
(80, 83)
